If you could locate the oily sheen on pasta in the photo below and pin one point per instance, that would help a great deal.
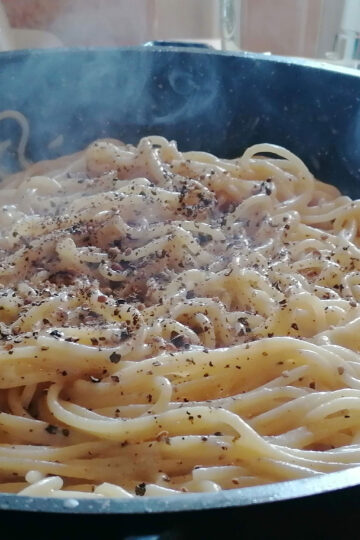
(174, 322)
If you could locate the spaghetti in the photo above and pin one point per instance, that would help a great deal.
(174, 322)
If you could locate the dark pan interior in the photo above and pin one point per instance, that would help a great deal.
(206, 100)
(209, 101)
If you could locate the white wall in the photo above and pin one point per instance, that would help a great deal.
(186, 19)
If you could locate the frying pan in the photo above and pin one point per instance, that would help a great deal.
(220, 103)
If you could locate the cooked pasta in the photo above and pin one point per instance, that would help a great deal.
(175, 322)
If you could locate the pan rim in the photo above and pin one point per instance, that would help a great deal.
(186, 48)
(226, 499)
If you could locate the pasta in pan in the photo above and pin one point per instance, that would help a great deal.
(174, 322)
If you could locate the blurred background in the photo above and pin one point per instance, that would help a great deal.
(321, 29)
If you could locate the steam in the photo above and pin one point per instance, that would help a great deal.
(71, 98)
(109, 23)
(191, 97)
(86, 22)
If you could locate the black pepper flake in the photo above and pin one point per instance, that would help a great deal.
(177, 339)
(115, 378)
(51, 429)
(115, 357)
(56, 334)
(204, 238)
(65, 432)
(140, 489)
(294, 326)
